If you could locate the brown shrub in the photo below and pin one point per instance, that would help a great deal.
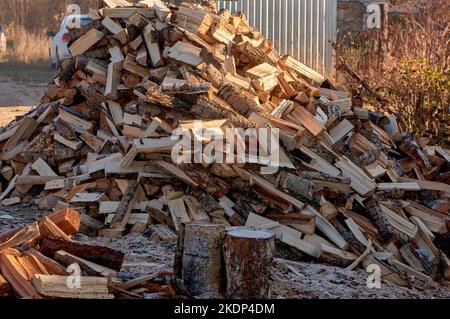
(410, 70)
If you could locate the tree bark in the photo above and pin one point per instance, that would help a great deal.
(388, 232)
(248, 256)
(202, 270)
(103, 256)
(208, 109)
(239, 100)
(124, 207)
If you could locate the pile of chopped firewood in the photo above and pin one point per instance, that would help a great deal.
(41, 261)
(349, 188)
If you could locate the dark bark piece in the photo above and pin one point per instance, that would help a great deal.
(103, 256)
(124, 206)
(178, 260)
(239, 100)
(348, 236)
(410, 147)
(209, 109)
(248, 257)
(202, 269)
(388, 232)
(307, 190)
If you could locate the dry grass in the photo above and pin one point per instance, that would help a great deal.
(28, 47)
(411, 74)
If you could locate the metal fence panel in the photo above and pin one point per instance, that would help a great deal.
(301, 28)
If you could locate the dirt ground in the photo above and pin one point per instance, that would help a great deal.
(21, 87)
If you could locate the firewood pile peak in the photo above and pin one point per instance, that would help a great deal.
(350, 189)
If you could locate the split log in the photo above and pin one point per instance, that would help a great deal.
(50, 265)
(17, 277)
(348, 236)
(48, 228)
(5, 288)
(298, 186)
(126, 206)
(67, 219)
(103, 256)
(248, 256)
(240, 100)
(202, 258)
(88, 267)
(56, 286)
(25, 236)
(390, 234)
(206, 108)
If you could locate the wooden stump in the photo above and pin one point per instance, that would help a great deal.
(248, 255)
(201, 269)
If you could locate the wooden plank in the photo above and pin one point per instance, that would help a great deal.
(399, 186)
(129, 200)
(85, 42)
(178, 212)
(319, 164)
(100, 165)
(399, 223)
(92, 141)
(302, 116)
(79, 125)
(186, 53)
(11, 201)
(23, 132)
(125, 13)
(133, 219)
(152, 47)
(116, 112)
(360, 182)
(111, 207)
(269, 187)
(42, 168)
(130, 65)
(56, 286)
(291, 63)
(113, 80)
(341, 130)
(75, 145)
(111, 25)
(55, 185)
(36, 180)
(87, 198)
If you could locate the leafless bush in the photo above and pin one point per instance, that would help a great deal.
(409, 69)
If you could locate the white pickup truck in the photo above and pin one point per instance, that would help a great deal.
(2, 41)
(58, 47)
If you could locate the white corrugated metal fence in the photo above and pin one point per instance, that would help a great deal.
(301, 28)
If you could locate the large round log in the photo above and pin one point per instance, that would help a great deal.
(248, 256)
(202, 270)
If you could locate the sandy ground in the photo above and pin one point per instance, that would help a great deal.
(17, 98)
(21, 87)
(13, 93)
